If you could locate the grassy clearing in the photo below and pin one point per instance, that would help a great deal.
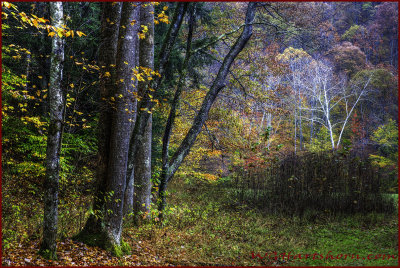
(204, 228)
(205, 225)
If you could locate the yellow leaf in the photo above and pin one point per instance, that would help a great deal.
(107, 74)
(126, 62)
(34, 21)
(40, 77)
(59, 32)
(80, 33)
(71, 85)
(51, 34)
(121, 80)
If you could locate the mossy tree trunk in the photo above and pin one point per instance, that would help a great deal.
(48, 247)
(117, 54)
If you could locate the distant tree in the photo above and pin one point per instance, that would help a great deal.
(299, 62)
(386, 137)
(384, 33)
(328, 93)
(347, 58)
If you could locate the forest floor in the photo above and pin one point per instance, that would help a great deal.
(203, 227)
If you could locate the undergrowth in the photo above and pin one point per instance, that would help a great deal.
(205, 225)
(202, 227)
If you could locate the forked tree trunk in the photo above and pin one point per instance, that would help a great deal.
(118, 51)
(143, 120)
(219, 82)
(48, 247)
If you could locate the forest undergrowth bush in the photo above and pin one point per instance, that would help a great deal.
(310, 183)
(23, 171)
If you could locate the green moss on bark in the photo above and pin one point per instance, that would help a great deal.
(121, 250)
(101, 240)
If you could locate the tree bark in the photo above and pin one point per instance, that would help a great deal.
(175, 101)
(142, 159)
(117, 56)
(48, 247)
(209, 99)
(143, 122)
(121, 126)
(107, 58)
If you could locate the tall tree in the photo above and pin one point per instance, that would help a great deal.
(111, 15)
(49, 247)
(143, 120)
(218, 84)
(117, 89)
(328, 92)
(142, 165)
(175, 102)
(121, 122)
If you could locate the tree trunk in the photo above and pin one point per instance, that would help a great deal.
(121, 126)
(142, 161)
(209, 99)
(104, 226)
(143, 122)
(48, 247)
(107, 58)
(175, 101)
